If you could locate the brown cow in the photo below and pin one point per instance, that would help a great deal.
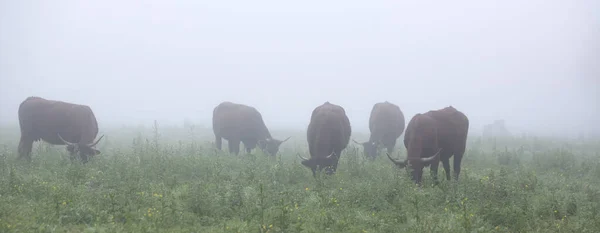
(433, 136)
(241, 123)
(386, 124)
(328, 134)
(58, 123)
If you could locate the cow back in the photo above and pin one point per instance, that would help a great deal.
(386, 120)
(421, 133)
(238, 120)
(43, 119)
(329, 129)
(453, 128)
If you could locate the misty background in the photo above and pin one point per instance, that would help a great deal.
(535, 64)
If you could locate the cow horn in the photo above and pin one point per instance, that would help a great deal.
(397, 162)
(329, 156)
(432, 157)
(300, 156)
(286, 139)
(93, 144)
(356, 141)
(65, 141)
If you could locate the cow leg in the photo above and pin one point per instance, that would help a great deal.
(234, 146)
(457, 161)
(333, 168)
(247, 148)
(446, 163)
(218, 142)
(434, 170)
(72, 153)
(24, 148)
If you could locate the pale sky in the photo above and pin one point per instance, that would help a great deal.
(535, 64)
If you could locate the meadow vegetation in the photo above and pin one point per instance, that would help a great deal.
(173, 180)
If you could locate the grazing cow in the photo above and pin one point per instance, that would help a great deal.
(328, 134)
(386, 124)
(58, 123)
(434, 136)
(241, 123)
(496, 129)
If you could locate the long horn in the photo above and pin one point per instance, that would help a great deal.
(93, 144)
(65, 141)
(300, 156)
(329, 156)
(356, 141)
(432, 157)
(286, 139)
(397, 162)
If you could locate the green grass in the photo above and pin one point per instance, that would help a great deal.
(172, 180)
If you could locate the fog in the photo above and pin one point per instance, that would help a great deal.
(534, 63)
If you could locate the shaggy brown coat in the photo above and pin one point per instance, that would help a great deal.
(434, 136)
(386, 124)
(241, 123)
(57, 123)
(328, 135)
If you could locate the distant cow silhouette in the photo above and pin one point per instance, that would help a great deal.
(386, 124)
(58, 123)
(241, 123)
(496, 129)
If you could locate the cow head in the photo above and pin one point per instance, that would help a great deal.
(271, 145)
(415, 162)
(370, 148)
(318, 163)
(84, 150)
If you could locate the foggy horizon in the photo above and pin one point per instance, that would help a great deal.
(533, 64)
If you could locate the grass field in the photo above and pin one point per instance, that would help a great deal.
(173, 180)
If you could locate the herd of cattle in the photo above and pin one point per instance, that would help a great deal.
(430, 137)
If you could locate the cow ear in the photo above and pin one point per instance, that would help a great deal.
(96, 152)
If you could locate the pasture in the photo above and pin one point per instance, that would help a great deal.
(171, 179)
